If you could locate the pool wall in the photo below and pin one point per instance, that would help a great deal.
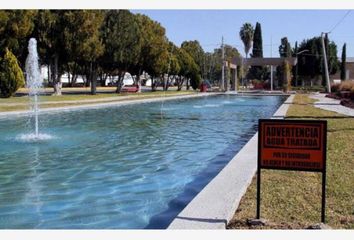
(216, 204)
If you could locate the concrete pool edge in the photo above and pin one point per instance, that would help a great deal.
(216, 204)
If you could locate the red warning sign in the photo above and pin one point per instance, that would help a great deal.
(292, 144)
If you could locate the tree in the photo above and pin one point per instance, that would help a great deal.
(285, 50)
(153, 47)
(286, 70)
(295, 51)
(333, 63)
(210, 63)
(173, 68)
(195, 79)
(82, 42)
(49, 34)
(11, 75)
(257, 72)
(246, 35)
(310, 64)
(197, 53)
(188, 70)
(16, 27)
(185, 62)
(343, 63)
(230, 53)
(257, 50)
(194, 49)
(120, 35)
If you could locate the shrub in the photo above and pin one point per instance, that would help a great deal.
(308, 89)
(11, 75)
(352, 93)
(196, 81)
(346, 85)
(258, 84)
(335, 87)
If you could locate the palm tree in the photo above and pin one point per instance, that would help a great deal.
(246, 35)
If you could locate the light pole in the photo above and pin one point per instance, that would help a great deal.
(222, 85)
(325, 61)
(297, 63)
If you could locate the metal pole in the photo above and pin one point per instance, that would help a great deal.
(271, 77)
(323, 211)
(297, 63)
(325, 63)
(242, 72)
(258, 193)
(223, 65)
(236, 83)
(271, 66)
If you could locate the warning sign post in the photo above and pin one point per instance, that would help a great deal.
(298, 145)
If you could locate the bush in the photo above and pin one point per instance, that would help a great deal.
(352, 93)
(260, 85)
(257, 84)
(335, 87)
(308, 89)
(11, 75)
(347, 85)
(196, 81)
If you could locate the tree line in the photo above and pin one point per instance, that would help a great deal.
(100, 44)
(97, 44)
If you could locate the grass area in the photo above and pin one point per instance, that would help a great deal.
(21, 103)
(293, 199)
(302, 108)
(64, 97)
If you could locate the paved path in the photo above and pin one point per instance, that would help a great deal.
(331, 104)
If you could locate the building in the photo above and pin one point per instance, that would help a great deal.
(349, 75)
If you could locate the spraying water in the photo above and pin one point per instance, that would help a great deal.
(34, 81)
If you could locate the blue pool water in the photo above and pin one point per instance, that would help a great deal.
(125, 167)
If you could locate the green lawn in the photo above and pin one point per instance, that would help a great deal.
(293, 199)
(64, 97)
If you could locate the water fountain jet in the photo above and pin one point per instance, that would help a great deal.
(34, 83)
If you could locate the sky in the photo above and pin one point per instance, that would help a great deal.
(208, 26)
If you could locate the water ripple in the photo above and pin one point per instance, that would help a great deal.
(120, 167)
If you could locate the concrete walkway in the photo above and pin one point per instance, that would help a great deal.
(331, 104)
(216, 204)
